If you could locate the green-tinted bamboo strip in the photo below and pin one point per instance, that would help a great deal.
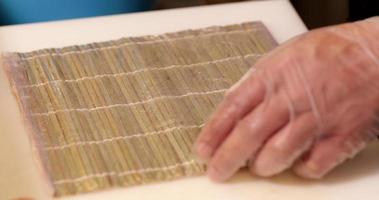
(125, 165)
(134, 123)
(145, 120)
(166, 110)
(48, 98)
(160, 112)
(179, 75)
(67, 125)
(109, 128)
(100, 155)
(205, 75)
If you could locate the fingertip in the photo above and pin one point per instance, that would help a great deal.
(308, 170)
(326, 155)
(262, 170)
(216, 175)
(268, 162)
(203, 151)
(222, 166)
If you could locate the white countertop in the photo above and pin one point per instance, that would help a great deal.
(20, 177)
(278, 15)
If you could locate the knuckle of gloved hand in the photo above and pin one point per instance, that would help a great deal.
(230, 96)
(328, 46)
(333, 43)
(233, 101)
(247, 126)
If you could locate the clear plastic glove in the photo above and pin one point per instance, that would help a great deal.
(312, 104)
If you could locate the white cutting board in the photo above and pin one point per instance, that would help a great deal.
(19, 176)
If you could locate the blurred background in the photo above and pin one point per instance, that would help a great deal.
(315, 13)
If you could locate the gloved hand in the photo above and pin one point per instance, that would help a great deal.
(311, 104)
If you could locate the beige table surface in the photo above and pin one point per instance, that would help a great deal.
(19, 176)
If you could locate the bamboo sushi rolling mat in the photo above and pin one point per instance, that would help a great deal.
(126, 112)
